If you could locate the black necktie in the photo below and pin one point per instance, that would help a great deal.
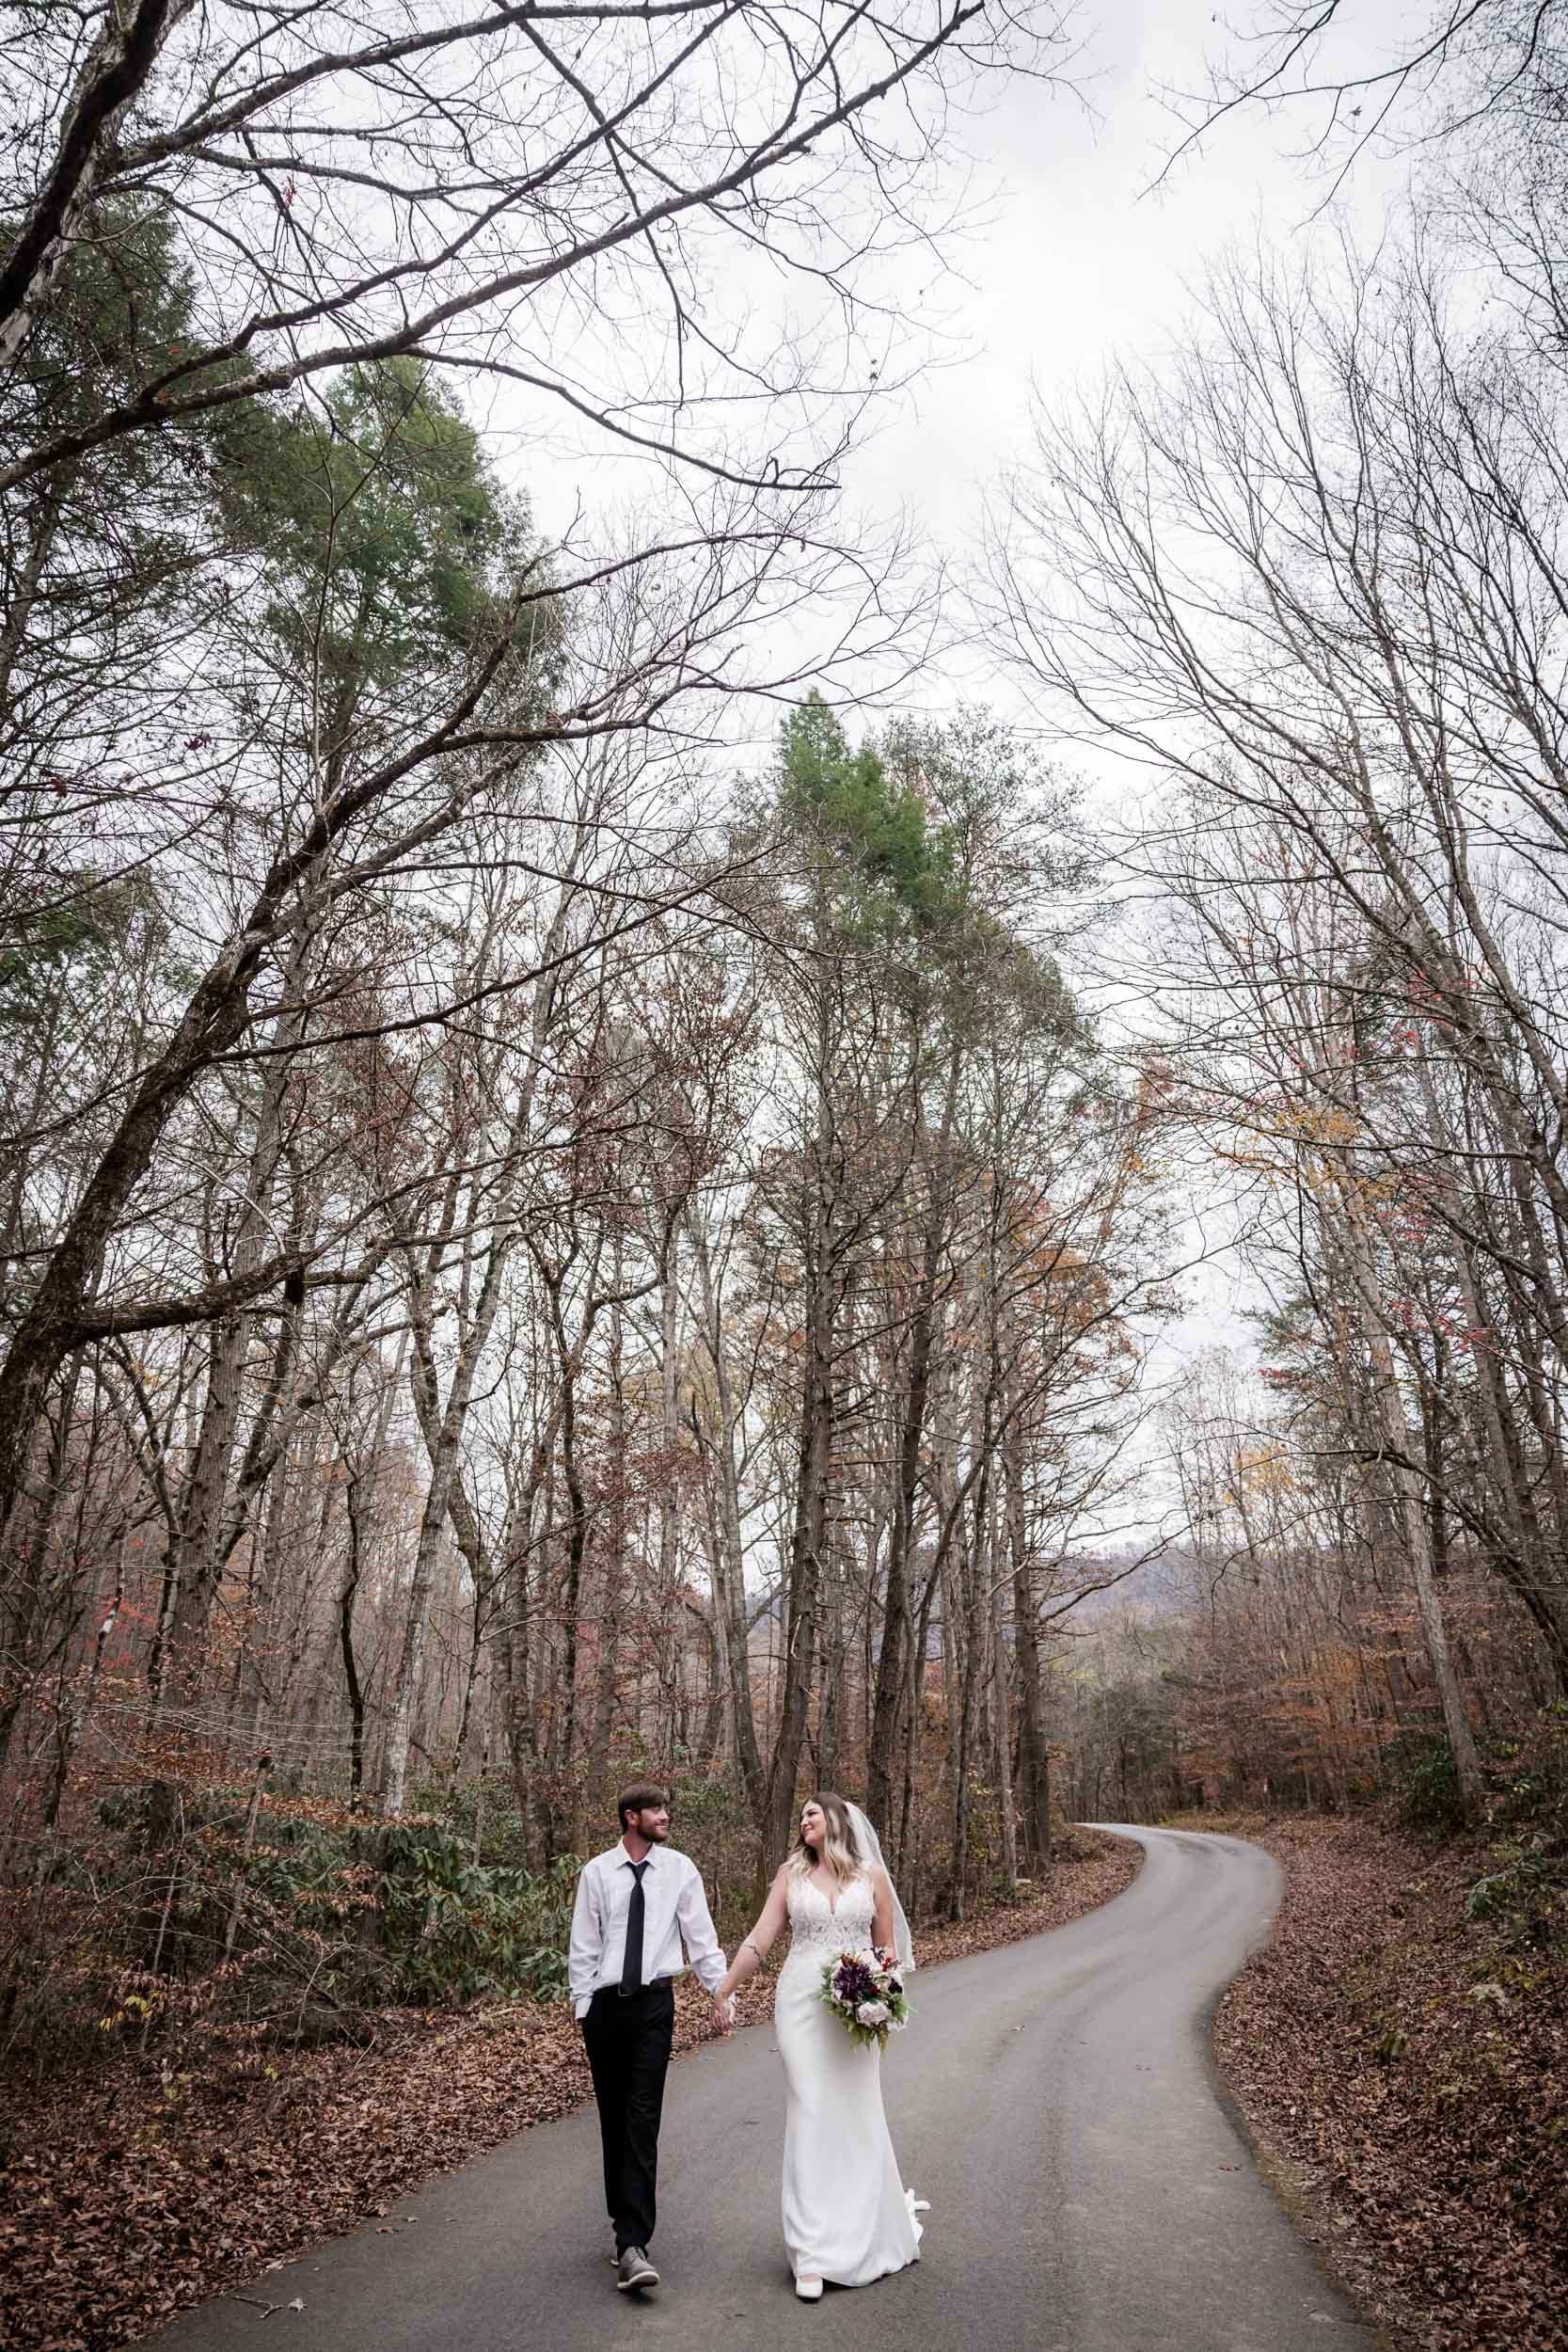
(631, 1967)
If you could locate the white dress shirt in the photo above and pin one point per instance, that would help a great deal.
(674, 1911)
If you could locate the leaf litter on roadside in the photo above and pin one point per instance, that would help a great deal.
(1424, 2119)
(120, 2204)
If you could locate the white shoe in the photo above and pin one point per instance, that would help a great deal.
(809, 2290)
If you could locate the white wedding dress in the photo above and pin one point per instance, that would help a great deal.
(847, 2214)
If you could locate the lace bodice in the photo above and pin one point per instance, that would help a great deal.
(818, 1931)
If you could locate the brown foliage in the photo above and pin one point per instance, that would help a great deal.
(1412, 2075)
(141, 2187)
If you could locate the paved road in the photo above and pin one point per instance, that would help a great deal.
(1054, 2101)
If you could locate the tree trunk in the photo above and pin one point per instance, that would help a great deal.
(728, 1556)
(888, 1705)
(1034, 1761)
(807, 1547)
(1413, 1521)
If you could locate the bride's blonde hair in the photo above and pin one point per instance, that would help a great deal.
(841, 1852)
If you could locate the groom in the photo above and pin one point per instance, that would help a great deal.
(635, 1905)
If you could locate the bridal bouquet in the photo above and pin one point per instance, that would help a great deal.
(866, 1993)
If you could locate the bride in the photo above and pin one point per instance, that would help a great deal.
(847, 2214)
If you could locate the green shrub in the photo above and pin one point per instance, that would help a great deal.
(1530, 1780)
(1525, 1890)
(503, 1835)
(365, 1914)
(1420, 1771)
(1521, 1895)
(455, 1929)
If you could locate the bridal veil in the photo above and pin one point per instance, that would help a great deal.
(871, 1851)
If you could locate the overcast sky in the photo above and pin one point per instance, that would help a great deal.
(1083, 258)
(1073, 257)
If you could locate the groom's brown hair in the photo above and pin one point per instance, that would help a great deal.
(644, 1796)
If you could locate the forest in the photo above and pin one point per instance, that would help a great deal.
(605, 1170)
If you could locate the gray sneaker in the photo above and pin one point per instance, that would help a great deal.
(634, 2269)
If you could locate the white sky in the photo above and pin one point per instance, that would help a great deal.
(1069, 259)
(1074, 257)
(1084, 259)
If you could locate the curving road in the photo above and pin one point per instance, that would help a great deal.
(1056, 2100)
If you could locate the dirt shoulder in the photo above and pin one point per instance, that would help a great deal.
(1404, 2073)
(133, 2192)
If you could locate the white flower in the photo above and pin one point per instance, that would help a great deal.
(873, 2012)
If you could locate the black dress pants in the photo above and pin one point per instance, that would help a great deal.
(627, 2040)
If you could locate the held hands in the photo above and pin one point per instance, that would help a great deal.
(723, 2014)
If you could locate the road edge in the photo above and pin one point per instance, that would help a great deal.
(1309, 2211)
